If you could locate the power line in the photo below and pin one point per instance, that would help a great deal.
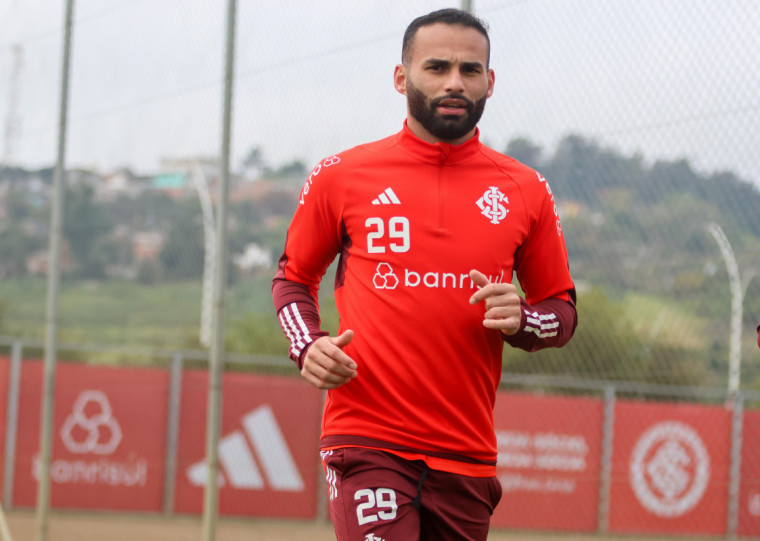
(315, 56)
(80, 20)
(210, 84)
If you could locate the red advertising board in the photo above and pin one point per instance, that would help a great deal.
(268, 448)
(749, 490)
(670, 462)
(548, 465)
(109, 437)
(670, 468)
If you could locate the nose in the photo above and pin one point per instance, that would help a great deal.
(454, 82)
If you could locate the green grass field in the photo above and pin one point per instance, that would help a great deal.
(121, 312)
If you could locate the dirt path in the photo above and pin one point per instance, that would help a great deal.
(76, 527)
(126, 527)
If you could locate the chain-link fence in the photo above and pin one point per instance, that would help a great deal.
(643, 116)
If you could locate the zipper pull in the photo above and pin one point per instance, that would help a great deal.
(445, 149)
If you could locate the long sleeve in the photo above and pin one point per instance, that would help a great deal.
(313, 240)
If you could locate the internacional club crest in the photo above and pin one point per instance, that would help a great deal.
(491, 207)
(670, 469)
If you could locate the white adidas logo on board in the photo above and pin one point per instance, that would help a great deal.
(262, 433)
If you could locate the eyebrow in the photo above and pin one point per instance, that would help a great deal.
(446, 63)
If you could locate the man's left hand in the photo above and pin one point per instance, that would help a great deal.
(502, 303)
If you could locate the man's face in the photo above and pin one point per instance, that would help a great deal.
(446, 81)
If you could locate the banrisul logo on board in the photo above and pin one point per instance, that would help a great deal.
(92, 434)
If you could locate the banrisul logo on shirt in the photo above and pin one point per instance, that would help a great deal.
(491, 205)
(388, 277)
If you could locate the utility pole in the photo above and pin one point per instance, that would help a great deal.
(12, 120)
(216, 359)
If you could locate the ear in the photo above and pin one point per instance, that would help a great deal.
(399, 79)
(491, 80)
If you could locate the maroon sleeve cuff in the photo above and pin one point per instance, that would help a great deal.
(547, 324)
(298, 314)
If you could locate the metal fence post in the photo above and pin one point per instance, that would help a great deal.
(216, 359)
(737, 427)
(53, 271)
(605, 474)
(172, 432)
(11, 423)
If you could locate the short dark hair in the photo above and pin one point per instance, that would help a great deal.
(446, 16)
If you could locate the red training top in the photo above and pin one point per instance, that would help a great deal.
(409, 220)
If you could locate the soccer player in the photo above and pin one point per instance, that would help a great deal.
(429, 225)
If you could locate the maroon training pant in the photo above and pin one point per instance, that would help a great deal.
(378, 496)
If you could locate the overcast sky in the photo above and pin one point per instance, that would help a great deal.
(668, 79)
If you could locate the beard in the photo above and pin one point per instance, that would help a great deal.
(443, 127)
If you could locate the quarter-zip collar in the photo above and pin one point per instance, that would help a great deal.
(438, 153)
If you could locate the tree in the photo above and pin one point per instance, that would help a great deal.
(525, 151)
(604, 346)
(16, 245)
(182, 255)
(253, 164)
(292, 169)
(86, 229)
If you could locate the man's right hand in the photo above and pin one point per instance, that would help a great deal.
(325, 365)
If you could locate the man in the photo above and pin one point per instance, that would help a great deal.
(429, 225)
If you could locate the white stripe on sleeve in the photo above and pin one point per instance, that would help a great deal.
(542, 325)
(295, 328)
